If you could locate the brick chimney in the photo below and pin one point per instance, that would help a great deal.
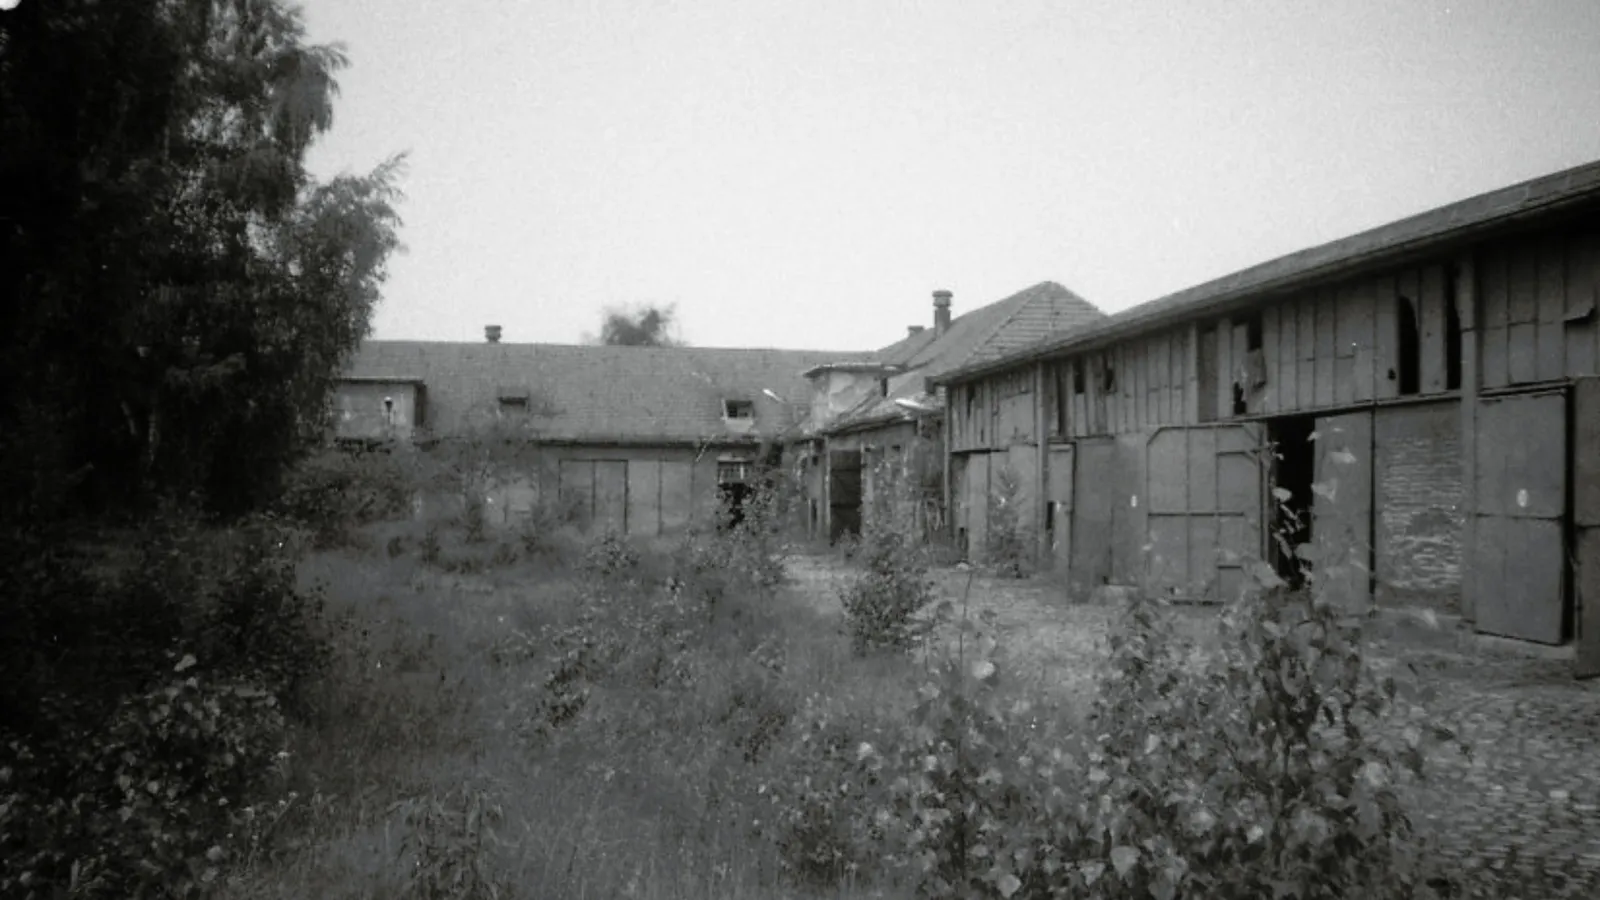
(941, 311)
(491, 333)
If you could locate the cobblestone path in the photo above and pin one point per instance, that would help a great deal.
(1533, 782)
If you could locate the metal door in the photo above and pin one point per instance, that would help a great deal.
(1341, 506)
(1516, 582)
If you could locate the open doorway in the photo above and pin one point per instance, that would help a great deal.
(1294, 469)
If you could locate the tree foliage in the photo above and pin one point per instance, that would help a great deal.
(178, 291)
(645, 326)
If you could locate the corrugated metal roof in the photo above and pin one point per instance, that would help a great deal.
(601, 393)
(1387, 244)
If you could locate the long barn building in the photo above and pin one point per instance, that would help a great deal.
(1425, 389)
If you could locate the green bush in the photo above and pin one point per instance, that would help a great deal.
(1008, 549)
(335, 491)
(151, 712)
(883, 604)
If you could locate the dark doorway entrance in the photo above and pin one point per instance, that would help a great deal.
(1294, 468)
(844, 493)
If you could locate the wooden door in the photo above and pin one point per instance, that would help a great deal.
(1058, 493)
(1203, 492)
(976, 499)
(1586, 519)
(1516, 581)
(1094, 500)
(844, 493)
(1341, 528)
(577, 490)
(611, 495)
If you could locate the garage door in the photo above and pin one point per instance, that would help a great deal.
(1517, 581)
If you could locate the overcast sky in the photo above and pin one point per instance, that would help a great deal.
(805, 174)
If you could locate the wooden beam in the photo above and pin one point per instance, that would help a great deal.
(1466, 297)
(1191, 375)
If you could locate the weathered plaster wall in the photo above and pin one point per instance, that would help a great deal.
(358, 410)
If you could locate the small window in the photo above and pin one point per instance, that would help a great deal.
(513, 407)
(1108, 378)
(1252, 332)
(738, 409)
(733, 471)
(1077, 376)
(883, 387)
(388, 410)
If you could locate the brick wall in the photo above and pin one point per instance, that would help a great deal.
(1421, 504)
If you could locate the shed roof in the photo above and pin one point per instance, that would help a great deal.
(1393, 243)
(602, 394)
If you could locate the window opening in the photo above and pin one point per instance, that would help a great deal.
(1452, 336)
(1410, 349)
(738, 409)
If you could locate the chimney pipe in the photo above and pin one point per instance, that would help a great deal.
(913, 330)
(492, 333)
(941, 311)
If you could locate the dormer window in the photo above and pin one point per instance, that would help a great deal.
(738, 409)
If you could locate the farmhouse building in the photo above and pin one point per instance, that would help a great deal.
(1425, 389)
(642, 440)
(880, 417)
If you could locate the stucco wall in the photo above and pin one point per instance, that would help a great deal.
(359, 412)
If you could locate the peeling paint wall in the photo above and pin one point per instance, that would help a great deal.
(359, 410)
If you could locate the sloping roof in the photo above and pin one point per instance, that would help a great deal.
(1562, 192)
(601, 394)
(986, 333)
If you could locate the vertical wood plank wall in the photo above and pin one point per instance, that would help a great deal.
(1505, 313)
(1534, 318)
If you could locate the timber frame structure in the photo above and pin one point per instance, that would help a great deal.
(1440, 371)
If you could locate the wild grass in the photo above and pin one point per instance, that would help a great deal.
(552, 717)
(429, 750)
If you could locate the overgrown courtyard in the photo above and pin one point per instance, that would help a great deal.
(428, 708)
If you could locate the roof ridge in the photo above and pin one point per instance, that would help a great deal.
(1027, 296)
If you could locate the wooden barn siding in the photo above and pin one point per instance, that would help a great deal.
(1536, 309)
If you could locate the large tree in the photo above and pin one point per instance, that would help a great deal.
(178, 292)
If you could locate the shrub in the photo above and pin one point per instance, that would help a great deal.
(334, 491)
(883, 603)
(1008, 548)
(157, 714)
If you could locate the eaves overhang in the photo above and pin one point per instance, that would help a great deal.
(1510, 209)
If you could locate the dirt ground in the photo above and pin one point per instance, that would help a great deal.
(1533, 781)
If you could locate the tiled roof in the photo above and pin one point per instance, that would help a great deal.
(986, 333)
(601, 393)
(1561, 193)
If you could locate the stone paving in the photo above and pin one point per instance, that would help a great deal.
(1533, 782)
